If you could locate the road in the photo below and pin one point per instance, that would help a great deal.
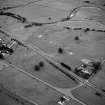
(73, 13)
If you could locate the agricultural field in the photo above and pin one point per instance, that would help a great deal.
(52, 52)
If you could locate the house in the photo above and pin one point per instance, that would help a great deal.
(87, 68)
